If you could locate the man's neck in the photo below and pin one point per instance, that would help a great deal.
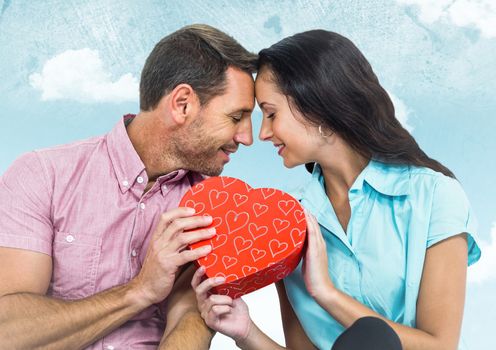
(143, 133)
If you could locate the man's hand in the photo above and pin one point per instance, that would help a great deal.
(168, 251)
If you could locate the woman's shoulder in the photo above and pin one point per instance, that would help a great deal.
(422, 178)
(403, 179)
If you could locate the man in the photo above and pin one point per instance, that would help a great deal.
(92, 249)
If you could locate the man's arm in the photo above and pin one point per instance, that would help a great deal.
(185, 328)
(28, 319)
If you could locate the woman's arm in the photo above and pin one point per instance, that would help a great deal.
(231, 317)
(294, 334)
(441, 297)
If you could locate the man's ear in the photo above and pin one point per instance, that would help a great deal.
(184, 103)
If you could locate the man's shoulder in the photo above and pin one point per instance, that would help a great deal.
(67, 158)
(74, 146)
(73, 150)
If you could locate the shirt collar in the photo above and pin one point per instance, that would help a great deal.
(125, 160)
(128, 166)
(388, 179)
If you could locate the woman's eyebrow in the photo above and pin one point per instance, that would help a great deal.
(265, 104)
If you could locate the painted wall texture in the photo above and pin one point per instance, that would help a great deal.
(70, 69)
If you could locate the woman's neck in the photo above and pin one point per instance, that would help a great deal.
(341, 171)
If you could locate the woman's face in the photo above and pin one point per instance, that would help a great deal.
(296, 141)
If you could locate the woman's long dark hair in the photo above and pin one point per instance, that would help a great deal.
(332, 84)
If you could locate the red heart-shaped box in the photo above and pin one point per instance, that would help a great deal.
(260, 233)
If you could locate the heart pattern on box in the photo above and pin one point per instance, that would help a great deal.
(260, 233)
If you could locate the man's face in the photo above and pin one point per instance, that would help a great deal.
(221, 125)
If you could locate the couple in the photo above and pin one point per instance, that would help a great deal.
(93, 254)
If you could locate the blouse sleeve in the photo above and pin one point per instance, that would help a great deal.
(451, 215)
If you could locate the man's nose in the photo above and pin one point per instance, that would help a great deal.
(244, 133)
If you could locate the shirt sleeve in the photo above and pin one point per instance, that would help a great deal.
(451, 214)
(25, 202)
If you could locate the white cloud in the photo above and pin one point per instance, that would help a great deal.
(79, 75)
(463, 13)
(485, 268)
(401, 110)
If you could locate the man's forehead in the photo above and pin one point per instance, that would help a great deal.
(240, 94)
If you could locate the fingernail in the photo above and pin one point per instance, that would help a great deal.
(206, 248)
(208, 218)
(212, 230)
(190, 210)
(219, 279)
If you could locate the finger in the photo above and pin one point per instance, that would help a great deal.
(184, 239)
(313, 227)
(312, 230)
(203, 288)
(309, 220)
(317, 231)
(217, 299)
(220, 310)
(179, 225)
(197, 276)
(170, 215)
(190, 255)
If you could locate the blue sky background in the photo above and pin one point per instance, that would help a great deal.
(70, 69)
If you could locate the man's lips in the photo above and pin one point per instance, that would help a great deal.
(229, 150)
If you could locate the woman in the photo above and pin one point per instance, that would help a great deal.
(388, 248)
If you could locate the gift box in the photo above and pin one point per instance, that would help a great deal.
(260, 233)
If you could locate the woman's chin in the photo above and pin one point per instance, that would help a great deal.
(290, 164)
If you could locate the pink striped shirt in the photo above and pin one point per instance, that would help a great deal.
(83, 204)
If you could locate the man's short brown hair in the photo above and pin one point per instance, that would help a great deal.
(198, 55)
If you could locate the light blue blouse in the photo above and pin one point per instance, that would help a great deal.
(397, 212)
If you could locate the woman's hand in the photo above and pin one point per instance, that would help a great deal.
(220, 312)
(315, 264)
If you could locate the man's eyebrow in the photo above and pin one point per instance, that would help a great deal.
(244, 110)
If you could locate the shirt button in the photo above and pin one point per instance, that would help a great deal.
(164, 187)
(142, 206)
(70, 238)
(139, 179)
(110, 347)
(134, 253)
(125, 183)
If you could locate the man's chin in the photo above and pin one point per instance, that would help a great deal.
(207, 165)
(211, 171)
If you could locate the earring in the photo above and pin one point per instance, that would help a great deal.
(322, 134)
